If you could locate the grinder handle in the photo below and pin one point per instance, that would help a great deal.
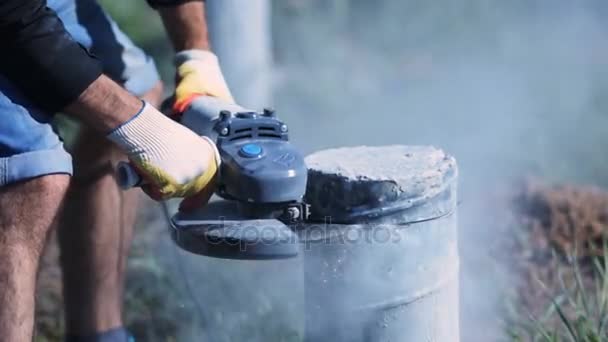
(127, 177)
(203, 113)
(209, 106)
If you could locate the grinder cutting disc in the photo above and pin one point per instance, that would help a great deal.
(218, 230)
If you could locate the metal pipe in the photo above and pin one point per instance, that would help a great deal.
(240, 36)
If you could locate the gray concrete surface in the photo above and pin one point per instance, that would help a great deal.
(351, 183)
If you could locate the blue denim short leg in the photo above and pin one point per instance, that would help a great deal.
(28, 145)
(122, 60)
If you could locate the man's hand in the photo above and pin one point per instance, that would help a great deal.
(174, 161)
(198, 74)
(198, 71)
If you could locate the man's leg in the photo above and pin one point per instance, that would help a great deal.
(27, 212)
(96, 226)
(95, 235)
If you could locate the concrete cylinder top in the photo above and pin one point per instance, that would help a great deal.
(389, 183)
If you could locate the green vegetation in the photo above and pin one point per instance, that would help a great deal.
(577, 313)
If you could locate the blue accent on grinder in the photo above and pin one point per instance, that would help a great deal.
(251, 150)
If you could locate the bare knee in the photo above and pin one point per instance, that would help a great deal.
(29, 209)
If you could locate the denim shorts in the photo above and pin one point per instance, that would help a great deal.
(28, 145)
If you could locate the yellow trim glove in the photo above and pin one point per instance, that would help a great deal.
(173, 160)
(198, 74)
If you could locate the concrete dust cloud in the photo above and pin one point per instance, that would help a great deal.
(504, 86)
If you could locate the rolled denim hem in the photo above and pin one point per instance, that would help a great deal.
(28, 165)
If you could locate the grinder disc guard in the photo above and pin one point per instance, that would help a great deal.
(218, 230)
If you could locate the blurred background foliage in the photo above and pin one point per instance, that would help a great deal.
(510, 88)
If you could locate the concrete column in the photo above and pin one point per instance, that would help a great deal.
(381, 264)
(241, 37)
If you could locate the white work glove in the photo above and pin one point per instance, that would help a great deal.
(173, 161)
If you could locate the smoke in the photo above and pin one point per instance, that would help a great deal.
(509, 88)
(501, 85)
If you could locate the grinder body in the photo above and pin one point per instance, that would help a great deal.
(260, 168)
(261, 185)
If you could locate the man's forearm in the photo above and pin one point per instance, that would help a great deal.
(104, 105)
(186, 25)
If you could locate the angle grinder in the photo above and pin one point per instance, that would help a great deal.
(261, 185)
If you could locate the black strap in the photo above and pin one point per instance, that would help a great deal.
(40, 57)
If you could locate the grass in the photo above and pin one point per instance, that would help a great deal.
(578, 312)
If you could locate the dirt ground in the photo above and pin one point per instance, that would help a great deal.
(571, 219)
(557, 226)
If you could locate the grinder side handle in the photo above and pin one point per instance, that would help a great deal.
(127, 177)
(202, 114)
